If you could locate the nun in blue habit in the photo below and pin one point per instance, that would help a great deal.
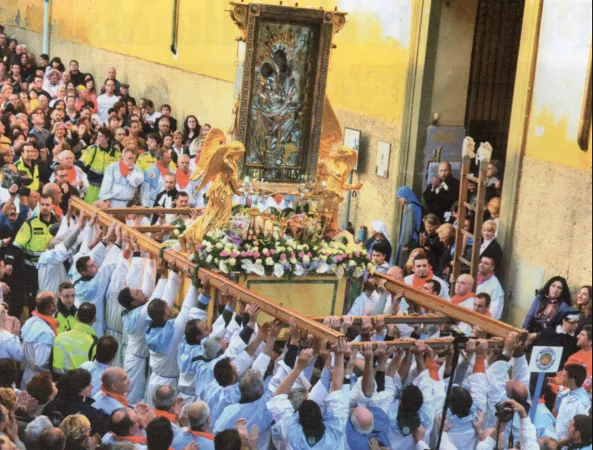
(411, 225)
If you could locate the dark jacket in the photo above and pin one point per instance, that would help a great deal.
(494, 251)
(441, 202)
(60, 408)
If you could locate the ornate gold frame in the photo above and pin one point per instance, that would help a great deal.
(247, 18)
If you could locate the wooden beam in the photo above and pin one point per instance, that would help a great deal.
(405, 320)
(150, 211)
(435, 344)
(154, 229)
(438, 305)
(182, 262)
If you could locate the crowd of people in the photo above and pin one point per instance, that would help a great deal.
(93, 353)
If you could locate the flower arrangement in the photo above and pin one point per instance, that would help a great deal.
(241, 250)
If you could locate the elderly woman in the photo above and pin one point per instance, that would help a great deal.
(551, 301)
(76, 176)
(411, 224)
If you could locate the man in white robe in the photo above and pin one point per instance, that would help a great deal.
(488, 283)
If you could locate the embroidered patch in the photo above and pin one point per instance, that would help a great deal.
(151, 175)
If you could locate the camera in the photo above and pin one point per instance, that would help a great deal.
(504, 413)
(20, 178)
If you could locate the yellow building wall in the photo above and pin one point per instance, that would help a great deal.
(553, 222)
(366, 83)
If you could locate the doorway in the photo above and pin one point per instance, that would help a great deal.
(493, 68)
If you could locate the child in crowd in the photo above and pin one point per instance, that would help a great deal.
(380, 253)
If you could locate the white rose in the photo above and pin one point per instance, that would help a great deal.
(269, 262)
(352, 264)
(306, 259)
(209, 259)
(259, 261)
(293, 261)
(232, 262)
(219, 246)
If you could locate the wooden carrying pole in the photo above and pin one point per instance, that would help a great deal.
(150, 211)
(459, 313)
(181, 261)
(435, 344)
(395, 320)
(154, 229)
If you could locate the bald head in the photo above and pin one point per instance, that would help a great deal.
(199, 416)
(51, 189)
(116, 380)
(444, 170)
(396, 273)
(517, 391)
(464, 285)
(362, 420)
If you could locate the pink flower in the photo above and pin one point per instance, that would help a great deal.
(273, 252)
(301, 254)
(310, 255)
(243, 254)
(199, 247)
(235, 254)
(339, 258)
(283, 256)
(224, 254)
(256, 255)
(357, 254)
(266, 252)
(292, 256)
(250, 253)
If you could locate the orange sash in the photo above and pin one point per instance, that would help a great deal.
(139, 440)
(208, 436)
(458, 299)
(433, 369)
(120, 398)
(170, 417)
(72, 175)
(183, 178)
(163, 170)
(53, 323)
(123, 169)
(418, 282)
(480, 365)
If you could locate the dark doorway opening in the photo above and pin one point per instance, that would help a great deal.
(493, 68)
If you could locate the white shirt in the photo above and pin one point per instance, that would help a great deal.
(105, 103)
(10, 346)
(493, 288)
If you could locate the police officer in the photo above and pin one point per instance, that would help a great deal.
(31, 241)
(79, 345)
(95, 160)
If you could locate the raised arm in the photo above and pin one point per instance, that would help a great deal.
(303, 361)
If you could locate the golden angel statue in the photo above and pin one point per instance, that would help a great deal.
(336, 163)
(219, 164)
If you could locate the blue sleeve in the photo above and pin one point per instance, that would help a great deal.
(23, 214)
(3, 220)
(532, 312)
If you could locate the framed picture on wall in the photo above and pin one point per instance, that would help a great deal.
(352, 140)
(383, 154)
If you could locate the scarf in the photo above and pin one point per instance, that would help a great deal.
(418, 282)
(53, 323)
(458, 299)
(406, 192)
(314, 435)
(136, 440)
(208, 436)
(72, 175)
(183, 178)
(119, 397)
(170, 417)
(163, 170)
(124, 169)
(482, 279)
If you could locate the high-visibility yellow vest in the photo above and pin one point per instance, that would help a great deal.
(31, 173)
(95, 160)
(73, 348)
(33, 238)
(65, 322)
